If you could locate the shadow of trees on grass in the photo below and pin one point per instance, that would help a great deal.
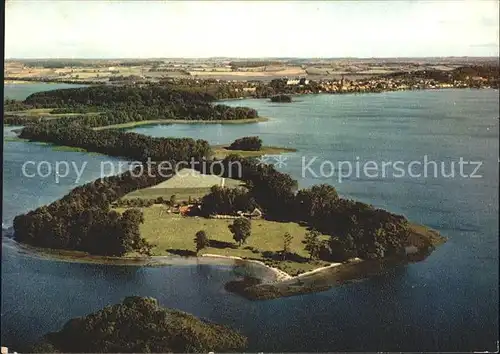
(222, 244)
(182, 253)
(278, 256)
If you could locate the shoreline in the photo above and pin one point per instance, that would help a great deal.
(264, 283)
(181, 121)
(221, 151)
(67, 256)
(53, 255)
(278, 276)
(278, 273)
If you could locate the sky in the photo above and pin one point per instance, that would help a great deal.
(190, 29)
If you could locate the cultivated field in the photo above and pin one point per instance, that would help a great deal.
(154, 70)
(187, 183)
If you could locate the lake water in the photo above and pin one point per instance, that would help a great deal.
(449, 302)
(21, 91)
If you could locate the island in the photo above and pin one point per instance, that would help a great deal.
(247, 143)
(140, 325)
(281, 98)
(232, 206)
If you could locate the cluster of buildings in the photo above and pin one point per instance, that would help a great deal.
(305, 86)
(383, 84)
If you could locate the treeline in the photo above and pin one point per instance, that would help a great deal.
(115, 142)
(113, 96)
(137, 62)
(272, 190)
(253, 63)
(82, 110)
(278, 89)
(13, 119)
(57, 63)
(64, 63)
(53, 80)
(356, 229)
(227, 201)
(125, 78)
(220, 90)
(464, 73)
(486, 71)
(83, 220)
(140, 325)
(429, 74)
(10, 105)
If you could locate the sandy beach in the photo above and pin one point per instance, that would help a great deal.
(278, 276)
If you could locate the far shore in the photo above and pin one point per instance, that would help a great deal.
(181, 121)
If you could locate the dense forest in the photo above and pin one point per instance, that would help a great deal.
(140, 325)
(465, 74)
(83, 220)
(113, 142)
(356, 229)
(11, 119)
(115, 96)
(133, 103)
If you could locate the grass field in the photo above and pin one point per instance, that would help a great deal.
(45, 112)
(221, 151)
(68, 148)
(187, 183)
(181, 194)
(12, 138)
(174, 234)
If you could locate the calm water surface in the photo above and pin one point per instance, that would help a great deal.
(448, 302)
(21, 91)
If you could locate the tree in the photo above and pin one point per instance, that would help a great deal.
(201, 240)
(313, 243)
(281, 98)
(130, 234)
(314, 203)
(222, 200)
(241, 229)
(287, 241)
(249, 143)
(173, 199)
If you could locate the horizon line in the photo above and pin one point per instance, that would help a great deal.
(237, 57)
